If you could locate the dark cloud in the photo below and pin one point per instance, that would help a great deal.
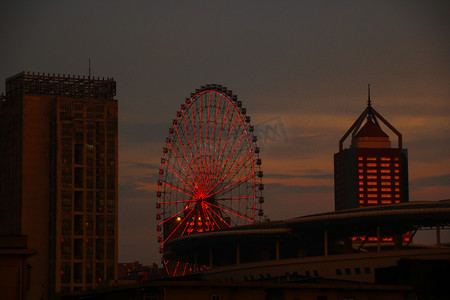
(310, 176)
(430, 181)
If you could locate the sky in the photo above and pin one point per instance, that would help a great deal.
(301, 69)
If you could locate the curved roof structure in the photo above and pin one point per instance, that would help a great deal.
(389, 219)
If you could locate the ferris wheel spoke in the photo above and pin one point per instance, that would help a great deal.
(217, 215)
(174, 202)
(189, 143)
(185, 156)
(165, 162)
(214, 222)
(186, 208)
(220, 136)
(223, 165)
(182, 221)
(230, 210)
(207, 132)
(177, 189)
(209, 195)
(195, 144)
(213, 135)
(224, 146)
(176, 268)
(227, 173)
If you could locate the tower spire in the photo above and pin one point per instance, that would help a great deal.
(369, 103)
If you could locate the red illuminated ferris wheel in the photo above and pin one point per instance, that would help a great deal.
(210, 176)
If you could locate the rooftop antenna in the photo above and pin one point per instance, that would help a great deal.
(89, 67)
(368, 91)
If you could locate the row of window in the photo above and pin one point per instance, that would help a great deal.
(374, 189)
(83, 248)
(382, 165)
(356, 271)
(384, 159)
(385, 177)
(80, 201)
(73, 272)
(84, 225)
(378, 202)
(361, 183)
(378, 195)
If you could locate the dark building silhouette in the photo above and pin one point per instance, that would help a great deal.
(370, 172)
(58, 178)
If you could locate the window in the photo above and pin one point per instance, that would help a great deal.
(78, 248)
(65, 272)
(361, 189)
(66, 201)
(78, 154)
(361, 183)
(372, 171)
(386, 159)
(316, 273)
(367, 270)
(99, 273)
(385, 165)
(66, 248)
(361, 195)
(216, 297)
(78, 201)
(372, 158)
(78, 225)
(110, 249)
(385, 171)
(385, 183)
(372, 189)
(360, 158)
(385, 196)
(347, 271)
(99, 249)
(372, 177)
(371, 164)
(78, 177)
(357, 271)
(100, 225)
(386, 189)
(338, 272)
(360, 165)
(361, 176)
(371, 183)
(372, 195)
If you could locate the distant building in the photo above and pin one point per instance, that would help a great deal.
(370, 172)
(58, 178)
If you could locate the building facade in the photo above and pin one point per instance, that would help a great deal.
(371, 171)
(59, 177)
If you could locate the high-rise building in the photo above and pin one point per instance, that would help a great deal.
(370, 171)
(59, 177)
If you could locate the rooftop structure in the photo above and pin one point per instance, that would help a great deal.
(371, 171)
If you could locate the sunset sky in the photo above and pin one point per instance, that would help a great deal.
(301, 69)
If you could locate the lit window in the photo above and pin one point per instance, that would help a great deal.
(386, 202)
(385, 165)
(397, 183)
(386, 189)
(386, 196)
(397, 196)
(386, 159)
(396, 165)
(386, 171)
(361, 195)
(372, 171)
(360, 165)
(372, 183)
(372, 195)
(372, 189)
(385, 183)
(360, 158)
(397, 171)
(361, 189)
(386, 177)
(372, 201)
(372, 158)
(397, 189)
(361, 201)
(397, 201)
(372, 177)
(360, 170)
(371, 165)
(396, 158)
(361, 183)
(396, 177)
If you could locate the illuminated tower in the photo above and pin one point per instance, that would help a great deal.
(58, 178)
(370, 171)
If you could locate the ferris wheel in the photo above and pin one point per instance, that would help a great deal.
(210, 176)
